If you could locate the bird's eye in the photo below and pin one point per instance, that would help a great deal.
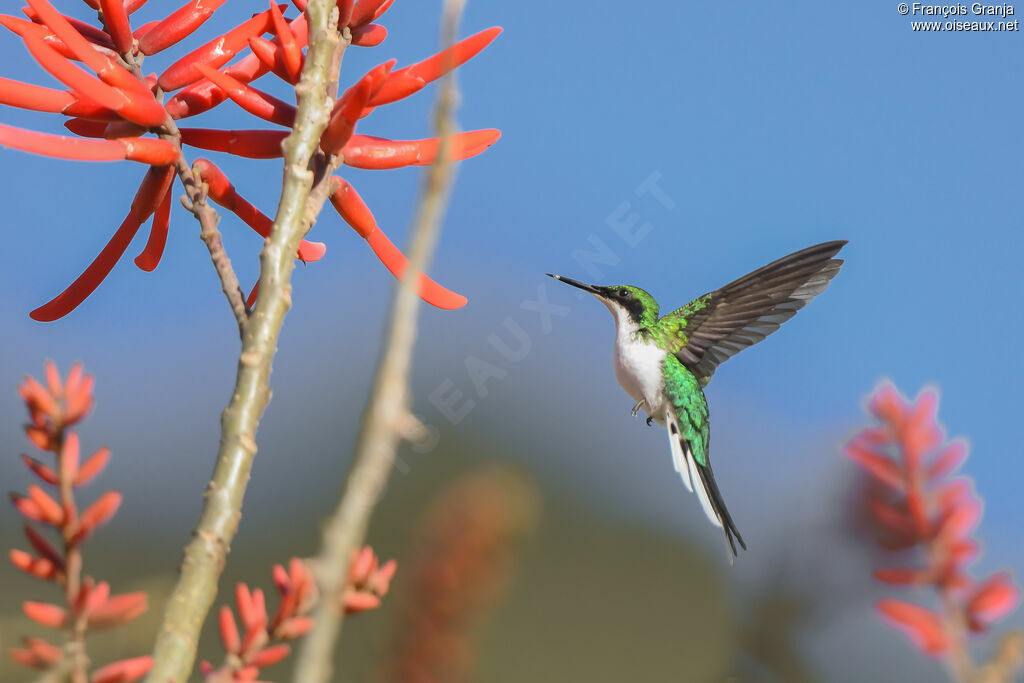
(624, 293)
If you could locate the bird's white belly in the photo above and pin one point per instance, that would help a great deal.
(638, 369)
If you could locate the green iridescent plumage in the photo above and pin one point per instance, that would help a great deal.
(670, 332)
(687, 398)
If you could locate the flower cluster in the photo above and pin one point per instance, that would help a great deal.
(462, 565)
(262, 641)
(117, 112)
(53, 409)
(914, 503)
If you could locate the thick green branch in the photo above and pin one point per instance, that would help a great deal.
(205, 555)
(388, 407)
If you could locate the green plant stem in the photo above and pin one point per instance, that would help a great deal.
(387, 410)
(205, 555)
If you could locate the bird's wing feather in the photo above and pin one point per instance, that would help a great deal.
(712, 328)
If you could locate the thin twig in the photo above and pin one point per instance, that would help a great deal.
(205, 555)
(208, 232)
(195, 193)
(388, 405)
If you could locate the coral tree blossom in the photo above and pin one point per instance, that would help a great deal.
(56, 529)
(916, 503)
(116, 112)
(255, 640)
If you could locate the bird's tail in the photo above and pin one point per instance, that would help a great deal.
(714, 505)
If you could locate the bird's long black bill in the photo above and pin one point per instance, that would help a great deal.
(575, 283)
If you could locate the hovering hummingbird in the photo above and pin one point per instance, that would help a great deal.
(664, 363)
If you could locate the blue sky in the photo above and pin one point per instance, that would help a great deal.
(766, 127)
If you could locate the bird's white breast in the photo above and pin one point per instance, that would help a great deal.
(638, 369)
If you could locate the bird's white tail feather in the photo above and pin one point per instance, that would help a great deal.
(702, 493)
(676, 444)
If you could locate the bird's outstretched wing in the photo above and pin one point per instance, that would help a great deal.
(686, 418)
(712, 328)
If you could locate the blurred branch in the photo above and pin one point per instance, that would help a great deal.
(205, 555)
(387, 410)
(1007, 660)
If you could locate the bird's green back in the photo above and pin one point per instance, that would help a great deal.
(670, 331)
(687, 398)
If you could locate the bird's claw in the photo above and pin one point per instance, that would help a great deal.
(649, 421)
(639, 404)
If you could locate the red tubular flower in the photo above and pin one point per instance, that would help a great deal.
(112, 108)
(922, 626)
(146, 150)
(178, 25)
(229, 636)
(368, 581)
(124, 671)
(39, 567)
(37, 653)
(93, 466)
(253, 144)
(204, 95)
(28, 508)
(154, 186)
(351, 207)
(370, 35)
(97, 514)
(27, 96)
(40, 470)
(364, 151)
(39, 34)
(252, 647)
(291, 51)
(118, 609)
(45, 614)
(80, 82)
(269, 656)
(915, 507)
(149, 259)
(91, 33)
(994, 599)
(115, 19)
(214, 53)
(50, 511)
(256, 102)
(415, 77)
(139, 104)
(349, 107)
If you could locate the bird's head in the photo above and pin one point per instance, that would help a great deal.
(630, 305)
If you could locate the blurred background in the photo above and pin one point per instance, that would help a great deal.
(667, 145)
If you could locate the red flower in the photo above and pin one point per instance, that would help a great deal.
(252, 647)
(113, 108)
(53, 408)
(913, 505)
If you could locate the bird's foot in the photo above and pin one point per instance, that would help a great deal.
(650, 421)
(639, 404)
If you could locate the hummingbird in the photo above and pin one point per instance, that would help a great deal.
(665, 362)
